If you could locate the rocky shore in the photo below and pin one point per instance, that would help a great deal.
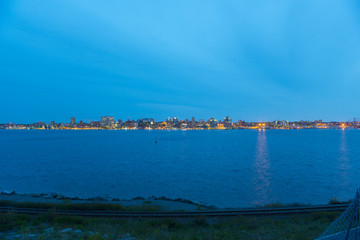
(163, 202)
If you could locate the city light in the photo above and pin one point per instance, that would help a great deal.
(174, 123)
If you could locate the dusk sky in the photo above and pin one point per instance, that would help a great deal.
(251, 60)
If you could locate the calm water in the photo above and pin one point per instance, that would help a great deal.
(224, 168)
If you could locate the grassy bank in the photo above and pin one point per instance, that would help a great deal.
(302, 226)
(68, 205)
(52, 226)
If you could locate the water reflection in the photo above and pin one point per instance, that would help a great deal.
(344, 164)
(262, 177)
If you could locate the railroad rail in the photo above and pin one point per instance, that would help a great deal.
(180, 214)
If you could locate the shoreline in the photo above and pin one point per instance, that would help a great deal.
(164, 203)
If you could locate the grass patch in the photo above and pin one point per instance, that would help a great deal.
(68, 205)
(336, 201)
(11, 221)
(281, 205)
(301, 226)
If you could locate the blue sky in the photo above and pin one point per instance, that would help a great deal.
(252, 60)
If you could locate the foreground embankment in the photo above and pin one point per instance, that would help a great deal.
(51, 225)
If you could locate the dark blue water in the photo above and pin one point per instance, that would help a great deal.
(236, 168)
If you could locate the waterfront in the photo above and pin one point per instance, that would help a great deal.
(236, 168)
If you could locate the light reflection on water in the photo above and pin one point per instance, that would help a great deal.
(262, 178)
(344, 164)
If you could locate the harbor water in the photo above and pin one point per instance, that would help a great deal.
(225, 168)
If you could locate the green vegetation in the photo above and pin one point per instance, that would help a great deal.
(281, 205)
(301, 226)
(336, 201)
(68, 205)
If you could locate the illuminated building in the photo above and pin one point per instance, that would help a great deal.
(72, 121)
(227, 122)
(107, 122)
(213, 123)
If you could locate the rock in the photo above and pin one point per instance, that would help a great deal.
(54, 195)
(66, 230)
(127, 236)
(61, 197)
(182, 200)
(11, 236)
(97, 199)
(164, 198)
(47, 195)
(8, 192)
(138, 198)
(48, 230)
(35, 195)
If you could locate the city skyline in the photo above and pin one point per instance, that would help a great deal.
(175, 123)
(74, 119)
(274, 60)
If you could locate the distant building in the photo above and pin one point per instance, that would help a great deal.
(173, 122)
(213, 122)
(193, 122)
(356, 122)
(281, 124)
(130, 124)
(95, 124)
(148, 120)
(145, 123)
(170, 122)
(176, 120)
(119, 123)
(107, 122)
(227, 122)
(72, 121)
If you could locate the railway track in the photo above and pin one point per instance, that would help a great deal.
(180, 214)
